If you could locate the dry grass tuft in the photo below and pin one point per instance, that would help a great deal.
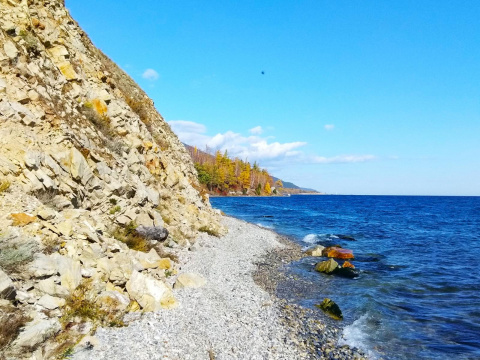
(4, 186)
(131, 238)
(80, 306)
(209, 231)
(12, 320)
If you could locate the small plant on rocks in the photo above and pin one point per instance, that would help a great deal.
(115, 209)
(129, 236)
(4, 186)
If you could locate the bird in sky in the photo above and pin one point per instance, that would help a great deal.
(263, 72)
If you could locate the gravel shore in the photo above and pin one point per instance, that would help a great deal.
(236, 315)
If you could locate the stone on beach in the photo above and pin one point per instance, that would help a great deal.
(152, 232)
(189, 280)
(151, 294)
(330, 308)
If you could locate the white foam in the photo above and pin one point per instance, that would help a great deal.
(310, 238)
(265, 226)
(356, 335)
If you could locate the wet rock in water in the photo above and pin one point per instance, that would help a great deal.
(331, 267)
(348, 264)
(315, 251)
(152, 232)
(327, 267)
(346, 272)
(330, 308)
(337, 253)
(345, 237)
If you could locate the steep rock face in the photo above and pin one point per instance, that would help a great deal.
(84, 158)
(75, 126)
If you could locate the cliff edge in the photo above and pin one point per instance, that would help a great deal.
(96, 192)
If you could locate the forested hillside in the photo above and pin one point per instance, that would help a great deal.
(223, 175)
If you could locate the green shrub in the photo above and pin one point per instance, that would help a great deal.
(115, 209)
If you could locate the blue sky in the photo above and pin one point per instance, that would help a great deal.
(357, 97)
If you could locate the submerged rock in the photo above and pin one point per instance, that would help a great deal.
(346, 272)
(345, 237)
(330, 308)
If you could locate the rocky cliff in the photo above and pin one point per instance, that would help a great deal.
(90, 175)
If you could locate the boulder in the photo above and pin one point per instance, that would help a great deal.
(348, 264)
(330, 308)
(338, 253)
(43, 265)
(48, 286)
(189, 280)
(10, 49)
(65, 228)
(7, 290)
(70, 272)
(315, 251)
(36, 332)
(51, 302)
(79, 168)
(148, 260)
(151, 294)
(46, 213)
(113, 300)
(327, 267)
(152, 232)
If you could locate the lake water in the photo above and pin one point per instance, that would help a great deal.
(418, 294)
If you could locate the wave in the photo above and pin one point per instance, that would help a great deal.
(265, 226)
(310, 238)
(356, 335)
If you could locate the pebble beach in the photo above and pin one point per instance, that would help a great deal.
(235, 315)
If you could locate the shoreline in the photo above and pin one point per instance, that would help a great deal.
(235, 315)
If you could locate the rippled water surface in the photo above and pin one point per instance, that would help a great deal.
(418, 294)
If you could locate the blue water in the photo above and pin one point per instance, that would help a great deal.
(418, 294)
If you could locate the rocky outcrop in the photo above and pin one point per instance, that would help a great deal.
(93, 183)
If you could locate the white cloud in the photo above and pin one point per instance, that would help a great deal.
(255, 148)
(329, 127)
(190, 132)
(257, 130)
(343, 159)
(150, 74)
